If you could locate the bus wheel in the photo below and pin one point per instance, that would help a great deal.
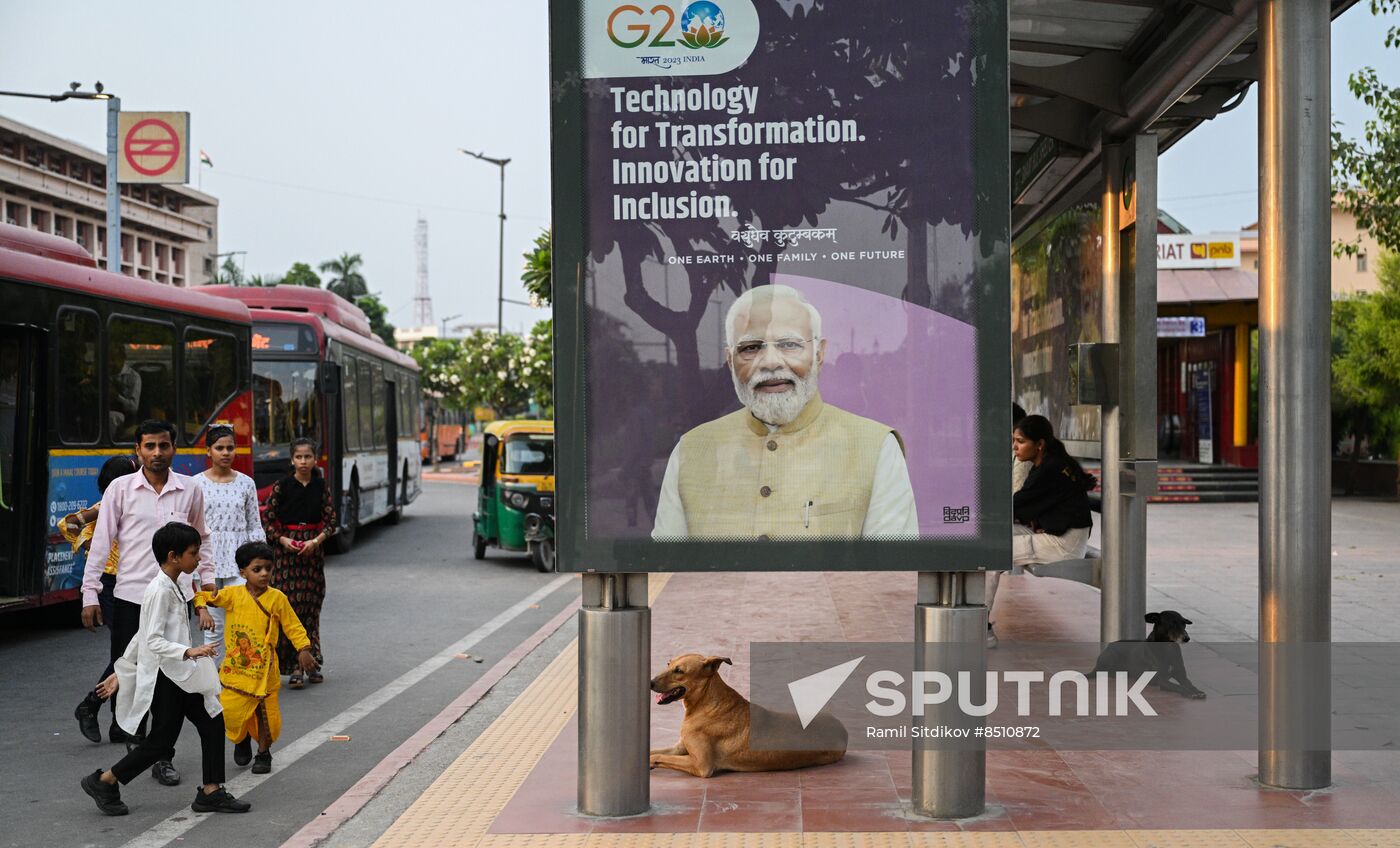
(542, 554)
(345, 539)
(478, 546)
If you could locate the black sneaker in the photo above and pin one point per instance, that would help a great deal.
(108, 798)
(243, 751)
(86, 714)
(165, 774)
(218, 801)
(262, 763)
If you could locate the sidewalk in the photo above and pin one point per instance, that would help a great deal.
(515, 785)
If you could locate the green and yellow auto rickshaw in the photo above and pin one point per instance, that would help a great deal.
(515, 501)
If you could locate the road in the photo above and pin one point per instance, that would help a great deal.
(403, 597)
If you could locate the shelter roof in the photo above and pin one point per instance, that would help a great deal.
(1081, 69)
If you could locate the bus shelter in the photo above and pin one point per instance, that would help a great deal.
(879, 168)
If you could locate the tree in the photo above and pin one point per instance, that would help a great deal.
(440, 363)
(538, 270)
(1366, 361)
(345, 277)
(1366, 172)
(229, 274)
(376, 312)
(505, 372)
(537, 368)
(301, 274)
(262, 280)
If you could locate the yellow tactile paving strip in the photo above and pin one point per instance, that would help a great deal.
(457, 810)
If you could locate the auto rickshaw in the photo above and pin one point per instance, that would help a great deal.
(515, 500)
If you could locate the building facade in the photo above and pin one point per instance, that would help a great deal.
(169, 232)
(1208, 382)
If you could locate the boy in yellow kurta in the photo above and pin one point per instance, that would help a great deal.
(256, 616)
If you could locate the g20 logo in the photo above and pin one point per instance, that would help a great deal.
(701, 26)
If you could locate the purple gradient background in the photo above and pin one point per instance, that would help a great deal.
(915, 370)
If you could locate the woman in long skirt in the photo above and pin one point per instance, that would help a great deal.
(299, 519)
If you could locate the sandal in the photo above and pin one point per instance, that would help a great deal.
(295, 682)
(315, 677)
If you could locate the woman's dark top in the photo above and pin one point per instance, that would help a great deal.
(298, 504)
(1055, 497)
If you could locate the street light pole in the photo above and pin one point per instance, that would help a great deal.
(501, 250)
(444, 323)
(114, 189)
(114, 197)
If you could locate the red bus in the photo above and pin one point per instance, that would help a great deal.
(85, 356)
(320, 373)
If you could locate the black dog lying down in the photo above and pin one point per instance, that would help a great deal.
(1161, 653)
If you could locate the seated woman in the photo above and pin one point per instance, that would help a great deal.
(1052, 509)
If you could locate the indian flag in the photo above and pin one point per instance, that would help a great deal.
(204, 159)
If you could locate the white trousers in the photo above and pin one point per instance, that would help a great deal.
(1029, 547)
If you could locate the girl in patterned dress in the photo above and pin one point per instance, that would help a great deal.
(231, 516)
(299, 519)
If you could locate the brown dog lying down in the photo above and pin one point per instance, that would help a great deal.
(715, 731)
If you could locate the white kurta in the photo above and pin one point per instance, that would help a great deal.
(891, 513)
(159, 646)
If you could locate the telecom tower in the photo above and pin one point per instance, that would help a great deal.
(422, 301)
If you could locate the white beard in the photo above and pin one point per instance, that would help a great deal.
(777, 408)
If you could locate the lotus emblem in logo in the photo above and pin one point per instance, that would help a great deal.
(702, 25)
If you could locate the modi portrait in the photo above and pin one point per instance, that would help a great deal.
(786, 465)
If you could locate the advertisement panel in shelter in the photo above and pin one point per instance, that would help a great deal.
(781, 285)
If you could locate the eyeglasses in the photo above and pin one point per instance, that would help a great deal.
(748, 351)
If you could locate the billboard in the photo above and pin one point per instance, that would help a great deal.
(781, 276)
(1057, 301)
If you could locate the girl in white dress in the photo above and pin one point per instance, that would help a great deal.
(230, 514)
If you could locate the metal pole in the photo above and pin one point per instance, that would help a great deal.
(950, 635)
(1128, 434)
(1111, 415)
(114, 194)
(1294, 357)
(614, 648)
(501, 260)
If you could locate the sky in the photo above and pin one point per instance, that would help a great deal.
(333, 126)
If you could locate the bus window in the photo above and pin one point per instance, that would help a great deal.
(377, 400)
(78, 394)
(366, 404)
(284, 407)
(140, 375)
(350, 402)
(211, 378)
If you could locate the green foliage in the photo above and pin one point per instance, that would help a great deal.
(505, 372)
(441, 362)
(540, 358)
(345, 277)
(538, 271)
(376, 312)
(1366, 361)
(301, 274)
(1366, 172)
(260, 280)
(229, 274)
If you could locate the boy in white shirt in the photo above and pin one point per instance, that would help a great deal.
(161, 674)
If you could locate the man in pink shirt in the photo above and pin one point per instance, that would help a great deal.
(133, 508)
